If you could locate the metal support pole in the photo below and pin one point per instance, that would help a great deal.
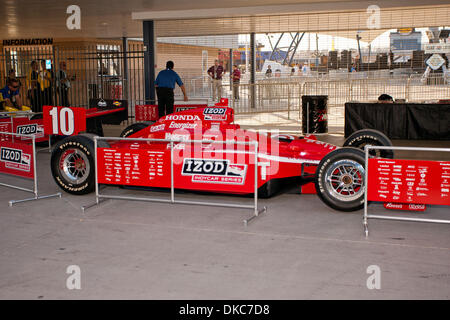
(252, 70)
(172, 187)
(55, 72)
(125, 70)
(231, 76)
(33, 141)
(366, 161)
(307, 117)
(149, 60)
(257, 212)
(256, 179)
(96, 168)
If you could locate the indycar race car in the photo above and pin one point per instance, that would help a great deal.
(204, 150)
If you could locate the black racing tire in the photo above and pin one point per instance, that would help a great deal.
(135, 127)
(336, 173)
(372, 137)
(79, 178)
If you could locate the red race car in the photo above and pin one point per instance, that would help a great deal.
(210, 153)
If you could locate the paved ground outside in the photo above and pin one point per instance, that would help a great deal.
(299, 249)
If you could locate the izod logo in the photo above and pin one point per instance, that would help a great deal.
(214, 171)
(201, 166)
(27, 129)
(214, 113)
(11, 155)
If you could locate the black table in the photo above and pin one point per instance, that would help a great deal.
(413, 121)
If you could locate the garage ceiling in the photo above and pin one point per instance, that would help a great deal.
(114, 19)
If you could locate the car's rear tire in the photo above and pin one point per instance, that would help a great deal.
(135, 127)
(72, 164)
(340, 179)
(361, 138)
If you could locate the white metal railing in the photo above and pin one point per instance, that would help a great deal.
(102, 197)
(366, 215)
(34, 189)
(281, 95)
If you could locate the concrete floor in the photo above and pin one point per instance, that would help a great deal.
(299, 249)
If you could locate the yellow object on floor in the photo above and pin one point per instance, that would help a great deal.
(13, 109)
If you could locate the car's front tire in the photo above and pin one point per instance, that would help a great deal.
(340, 179)
(72, 165)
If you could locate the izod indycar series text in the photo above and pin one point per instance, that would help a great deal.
(203, 150)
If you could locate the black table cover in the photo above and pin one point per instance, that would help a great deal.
(400, 120)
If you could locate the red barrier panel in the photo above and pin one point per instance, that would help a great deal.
(409, 181)
(22, 125)
(16, 158)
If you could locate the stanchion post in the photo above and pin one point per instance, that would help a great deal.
(172, 187)
(307, 117)
(365, 222)
(34, 166)
(96, 168)
(50, 143)
(256, 178)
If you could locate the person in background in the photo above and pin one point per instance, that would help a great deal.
(292, 72)
(269, 71)
(236, 77)
(305, 70)
(33, 86)
(63, 84)
(10, 94)
(165, 84)
(45, 81)
(12, 75)
(385, 98)
(216, 72)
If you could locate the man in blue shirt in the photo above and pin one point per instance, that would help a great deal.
(11, 95)
(165, 84)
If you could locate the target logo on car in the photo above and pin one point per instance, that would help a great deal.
(216, 114)
(15, 159)
(214, 171)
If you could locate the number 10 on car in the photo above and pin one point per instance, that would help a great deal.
(64, 121)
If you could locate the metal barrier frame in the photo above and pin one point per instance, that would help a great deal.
(103, 197)
(29, 114)
(373, 216)
(35, 180)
